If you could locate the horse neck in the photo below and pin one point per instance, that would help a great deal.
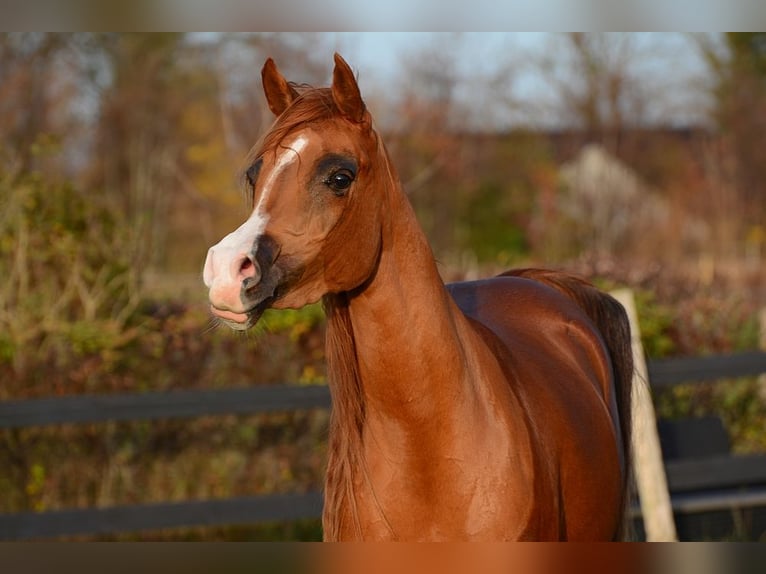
(394, 357)
(404, 323)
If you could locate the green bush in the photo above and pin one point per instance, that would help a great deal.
(490, 225)
(71, 282)
(657, 325)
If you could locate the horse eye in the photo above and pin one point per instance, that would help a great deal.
(340, 181)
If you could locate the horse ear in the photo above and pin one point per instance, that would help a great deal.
(345, 91)
(279, 94)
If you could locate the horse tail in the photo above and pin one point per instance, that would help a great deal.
(611, 320)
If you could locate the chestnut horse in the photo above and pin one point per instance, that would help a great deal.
(485, 410)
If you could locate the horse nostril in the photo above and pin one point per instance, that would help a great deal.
(247, 268)
(249, 274)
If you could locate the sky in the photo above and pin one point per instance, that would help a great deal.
(380, 53)
(670, 67)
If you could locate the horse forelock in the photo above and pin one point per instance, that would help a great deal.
(312, 105)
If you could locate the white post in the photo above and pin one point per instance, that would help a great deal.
(648, 467)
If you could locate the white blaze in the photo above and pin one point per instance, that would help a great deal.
(223, 259)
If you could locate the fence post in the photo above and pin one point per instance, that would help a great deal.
(648, 467)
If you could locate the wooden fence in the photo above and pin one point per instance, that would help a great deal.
(720, 481)
(687, 476)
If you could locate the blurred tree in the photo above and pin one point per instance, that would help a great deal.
(476, 189)
(738, 65)
(426, 139)
(507, 181)
(141, 108)
(597, 89)
(608, 89)
(30, 95)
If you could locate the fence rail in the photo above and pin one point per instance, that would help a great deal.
(94, 521)
(253, 400)
(161, 405)
(669, 372)
(249, 510)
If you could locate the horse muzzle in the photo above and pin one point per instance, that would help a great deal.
(241, 284)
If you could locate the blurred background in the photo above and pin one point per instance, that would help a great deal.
(636, 160)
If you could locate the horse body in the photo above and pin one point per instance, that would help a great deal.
(485, 410)
(482, 400)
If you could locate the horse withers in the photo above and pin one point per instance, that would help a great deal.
(495, 409)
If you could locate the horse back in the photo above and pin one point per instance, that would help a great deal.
(537, 325)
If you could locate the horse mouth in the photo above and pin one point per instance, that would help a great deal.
(256, 299)
(241, 321)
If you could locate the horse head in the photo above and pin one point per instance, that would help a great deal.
(317, 182)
